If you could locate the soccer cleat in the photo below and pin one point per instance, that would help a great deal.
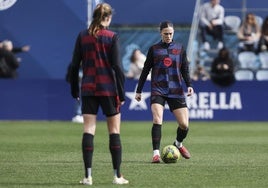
(184, 152)
(156, 159)
(87, 181)
(120, 181)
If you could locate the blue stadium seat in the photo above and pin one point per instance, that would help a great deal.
(263, 57)
(247, 60)
(232, 23)
(262, 75)
(244, 75)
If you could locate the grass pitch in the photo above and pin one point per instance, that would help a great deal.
(48, 154)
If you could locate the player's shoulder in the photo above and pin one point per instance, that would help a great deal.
(83, 32)
(177, 45)
(107, 32)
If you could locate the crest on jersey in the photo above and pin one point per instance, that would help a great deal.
(167, 61)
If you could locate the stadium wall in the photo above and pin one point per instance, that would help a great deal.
(51, 100)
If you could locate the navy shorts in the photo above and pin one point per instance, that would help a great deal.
(173, 103)
(110, 105)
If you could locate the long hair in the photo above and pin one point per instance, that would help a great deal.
(265, 27)
(253, 18)
(102, 11)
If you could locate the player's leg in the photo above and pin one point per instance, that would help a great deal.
(157, 108)
(111, 109)
(89, 110)
(182, 118)
(179, 108)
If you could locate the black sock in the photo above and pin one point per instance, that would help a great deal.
(156, 136)
(87, 149)
(116, 152)
(181, 134)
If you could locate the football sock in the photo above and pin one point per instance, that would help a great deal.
(156, 152)
(181, 134)
(88, 172)
(156, 136)
(87, 150)
(178, 144)
(116, 152)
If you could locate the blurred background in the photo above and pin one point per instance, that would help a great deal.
(50, 28)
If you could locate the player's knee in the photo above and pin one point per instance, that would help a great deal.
(183, 125)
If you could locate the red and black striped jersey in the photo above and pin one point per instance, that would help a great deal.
(101, 64)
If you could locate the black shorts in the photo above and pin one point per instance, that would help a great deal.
(110, 105)
(173, 103)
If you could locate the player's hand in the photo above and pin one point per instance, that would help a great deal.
(75, 94)
(75, 91)
(138, 97)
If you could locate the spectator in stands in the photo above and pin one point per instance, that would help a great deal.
(263, 42)
(8, 62)
(249, 34)
(222, 69)
(200, 73)
(211, 23)
(137, 60)
(8, 45)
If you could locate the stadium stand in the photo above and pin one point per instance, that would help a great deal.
(262, 75)
(241, 75)
(247, 60)
(232, 23)
(259, 20)
(263, 57)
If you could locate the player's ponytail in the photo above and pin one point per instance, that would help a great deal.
(102, 11)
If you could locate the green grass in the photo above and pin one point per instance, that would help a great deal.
(48, 154)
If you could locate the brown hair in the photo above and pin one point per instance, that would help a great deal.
(253, 18)
(102, 11)
(165, 24)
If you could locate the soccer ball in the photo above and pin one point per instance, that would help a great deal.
(170, 154)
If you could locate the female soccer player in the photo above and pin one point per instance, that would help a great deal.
(169, 65)
(103, 80)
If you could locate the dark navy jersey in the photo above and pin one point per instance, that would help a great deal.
(169, 67)
(101, 65)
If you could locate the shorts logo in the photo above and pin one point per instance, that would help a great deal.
(167, 61)
(5, 4)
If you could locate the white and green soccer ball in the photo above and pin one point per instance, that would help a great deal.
(170, 154)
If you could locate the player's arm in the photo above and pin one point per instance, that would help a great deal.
(74, 68)
(117, 67)
(145, 71)
(185, 73)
